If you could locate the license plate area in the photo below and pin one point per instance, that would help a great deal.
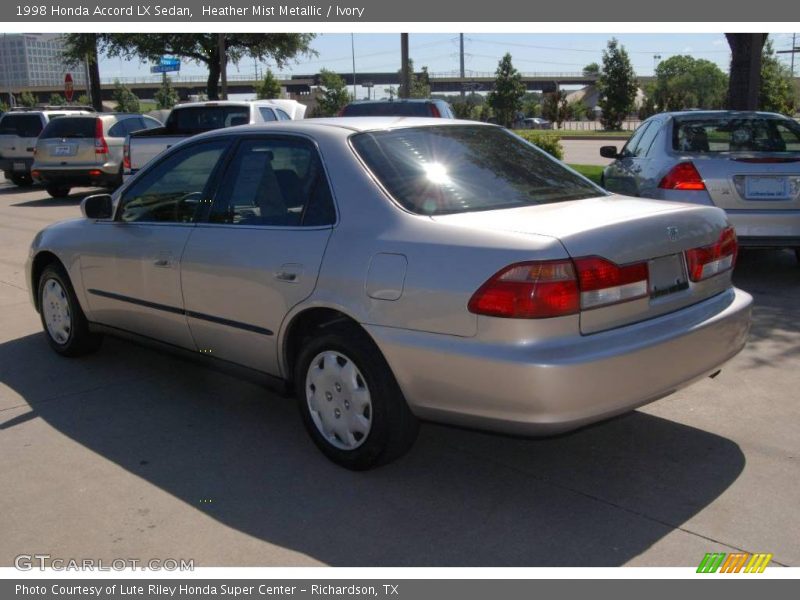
(758, 187)
(19, 166)
(667, 275)
(66, 150)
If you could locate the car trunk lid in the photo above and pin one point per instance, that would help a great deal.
(625, 231)
(753, 181)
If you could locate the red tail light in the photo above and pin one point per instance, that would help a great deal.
(683, 176)
(712, 260)
(434, 111)
(126, 155)
(529, 290)
(603, 282)
(100, 145)
(542, 289)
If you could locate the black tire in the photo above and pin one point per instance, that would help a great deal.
(80, 340)
(21, 180)
(58, 191)
(393, 426)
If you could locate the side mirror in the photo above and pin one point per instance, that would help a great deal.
(98, 206)
(609, 152)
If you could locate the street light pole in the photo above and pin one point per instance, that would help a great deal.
(353, 50)
(406, 75)
(223, 66)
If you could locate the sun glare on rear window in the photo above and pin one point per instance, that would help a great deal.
(463, 168)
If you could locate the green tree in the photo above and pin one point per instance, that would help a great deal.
(166, 96)
(777, 92)
(464, 110)
(334, 96)
(83, 100)
(126, 100)
(592, 69)
(56, 100)
(420, 84)
(686, 82)
(616, 85)
(27, 99)
(203, 48)
(506, 97)
(269, 87)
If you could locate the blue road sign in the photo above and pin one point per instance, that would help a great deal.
(165, 68)
(165, 60)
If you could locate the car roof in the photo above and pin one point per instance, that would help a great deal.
(227, 103)
(351, 124)
(397, 100)
(721, 113)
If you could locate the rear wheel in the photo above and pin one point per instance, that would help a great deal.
(63, 320)
(351, 404)
(58, 191)
(21, 180)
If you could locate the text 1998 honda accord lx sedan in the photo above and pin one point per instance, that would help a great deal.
(393, 270)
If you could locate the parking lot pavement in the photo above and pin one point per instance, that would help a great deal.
(134, 453)
(587, 152)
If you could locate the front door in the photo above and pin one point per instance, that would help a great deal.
(131, 266)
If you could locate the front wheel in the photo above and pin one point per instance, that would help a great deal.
(351, 404)
(63, 320)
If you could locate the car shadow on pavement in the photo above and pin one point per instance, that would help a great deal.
(46, 200)
(230, 449)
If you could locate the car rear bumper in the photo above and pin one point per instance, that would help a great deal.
(556, 386)
(16, 166)
(766, 228)
(100, 175)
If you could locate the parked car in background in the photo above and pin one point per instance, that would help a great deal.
(747, 163)
(186, 120)
(19, 130)
(85, 150)
(413, 107)
(536, 123)
(425, 269)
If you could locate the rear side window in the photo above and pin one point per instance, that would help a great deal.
(267, 114)
(387, 109)
(196, 119)
(21, 125)
(70, 127)
(275, 182)
(736, 134)
(464, 168)
(633, 143)
(647, 139)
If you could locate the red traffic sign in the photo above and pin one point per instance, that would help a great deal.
(69, 88)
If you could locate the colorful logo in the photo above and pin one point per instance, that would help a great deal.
(736, 562)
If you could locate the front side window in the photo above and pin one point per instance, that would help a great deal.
(735, 134)
(275, 182)
(463, 168)
(172, 190)
(267, 114)
(629, 149)
(647, 139)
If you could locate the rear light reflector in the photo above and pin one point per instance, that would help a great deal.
(603, 282)
(36, 174)
(100, 145)
(94, 173)
(683, 176)
(714, 259)
(529, 290)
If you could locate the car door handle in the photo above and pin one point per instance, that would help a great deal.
(164, 259)
(286, 276)
(289, 272)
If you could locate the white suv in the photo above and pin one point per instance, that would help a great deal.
(19, 130)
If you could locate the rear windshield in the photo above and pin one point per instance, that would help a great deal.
(736, 134)
(388, 109)
(21, 125)
(197, 119)
(70, 127)
(464, 168)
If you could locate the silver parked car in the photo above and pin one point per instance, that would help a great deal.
(85, 150)
(747, 163)
(390, 270)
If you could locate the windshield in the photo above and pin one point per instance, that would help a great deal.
(736, 134)
(70, 127)
(464, 168)
(196, 119)
(26, 126)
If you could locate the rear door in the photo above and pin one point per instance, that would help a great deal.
(18, 133)
(68, 141)
(259, 252)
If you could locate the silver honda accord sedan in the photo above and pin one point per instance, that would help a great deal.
(395, 270)
(747, 163)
